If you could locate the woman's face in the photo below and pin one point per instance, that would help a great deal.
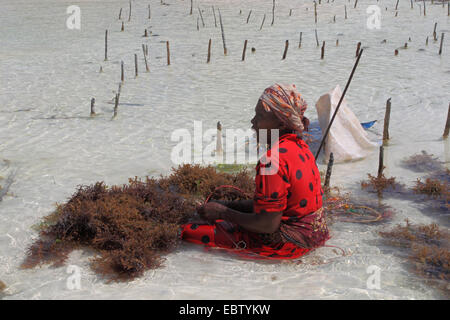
(265, 120)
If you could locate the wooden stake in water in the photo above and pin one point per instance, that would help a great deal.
(358, 47)
(135, 65)
(396, 6)
(442, 41)
(337, 42)
(149, 12)
(92, 107)
(129, 15)
(356, 2)
(322, 51)
(434, 32)
(315, 12)
(145, 58)
(380, 162)
(317, 38)
(396, 52)
(447, 124)
(328, 174)
(209, 52)
(123, 27)
(424, 8)
(249, 15)
(412, 6)
(168, 53)
(223, 34)
(285, 49)
(219, 148)
(243, 51)
(191, 7)
(345, 8)
(300, 41)
(387, 117)
(121, 72)
(290, 12)
(145, 33)
(116, 105)
(201, 16)
(426, 42)
(273, 13)
(215, 21)
(262, 23)
(120, 14)
(106, 45)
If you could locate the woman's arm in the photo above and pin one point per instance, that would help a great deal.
(267, 222)
(245, 206)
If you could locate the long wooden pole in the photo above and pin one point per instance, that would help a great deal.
(387, 117)
(339, 104)
(273, 13)
(223, 33)
(201, 16)
(447, 124)
(106, 45)
(262, 23)
(243, 51)
(129, 14)
(380, 162)
(209, 52)
(121, 72)
(215, 20)
(285, 49)
(168, 53)
(328, 174)
(145, 58)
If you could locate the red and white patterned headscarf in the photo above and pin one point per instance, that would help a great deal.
(287, 104)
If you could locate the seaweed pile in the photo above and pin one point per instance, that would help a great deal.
(422, 162)
(130, 227)
(435, 189)
(427, 248)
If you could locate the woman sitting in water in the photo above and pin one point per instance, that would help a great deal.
(285, 219)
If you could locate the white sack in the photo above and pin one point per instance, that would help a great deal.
(347, 139)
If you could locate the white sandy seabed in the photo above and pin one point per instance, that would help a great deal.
(49, 73)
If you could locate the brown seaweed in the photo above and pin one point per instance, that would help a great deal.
(427, 248)
(423, 162)
(380, 183)
(132, 226)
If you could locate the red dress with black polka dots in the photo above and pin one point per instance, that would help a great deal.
(287, 181)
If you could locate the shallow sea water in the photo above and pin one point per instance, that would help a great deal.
(49, 74)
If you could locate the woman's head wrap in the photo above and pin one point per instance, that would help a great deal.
(287, 104)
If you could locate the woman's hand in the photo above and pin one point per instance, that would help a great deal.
(212, 211)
